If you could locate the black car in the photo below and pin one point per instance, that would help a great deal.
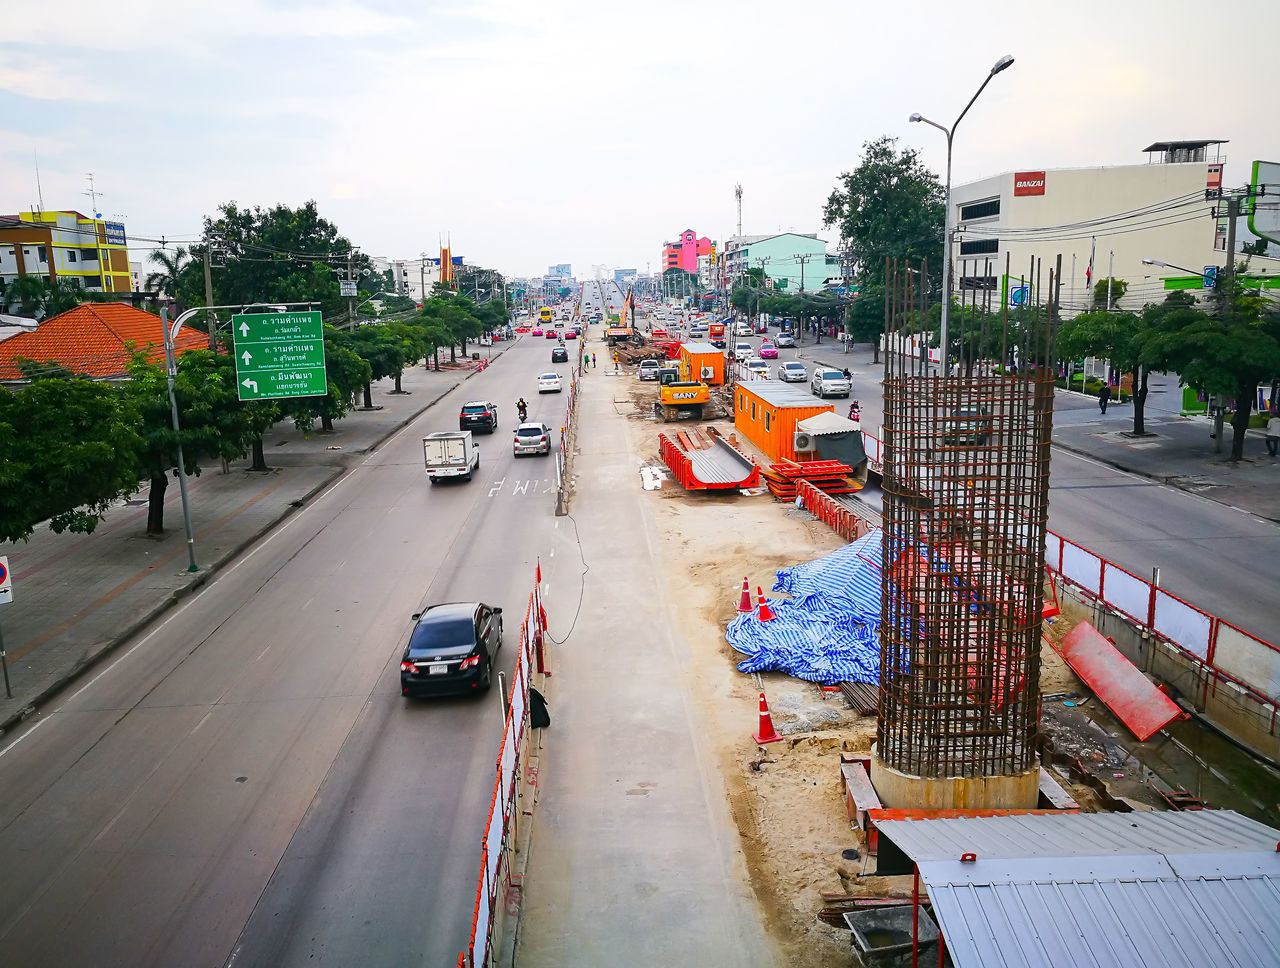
(478, 415)
(451, 650)
(559, 355)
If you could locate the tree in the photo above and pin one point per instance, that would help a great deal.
(348, 373)
(70, 449)
(214, 424)
(864, 318)
(168, 277)
(889, 206)
(1118, 288)
(37, 298)
(1116, 337)
(1227, 353)
(1256, 247)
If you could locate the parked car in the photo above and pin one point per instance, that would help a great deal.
(768, 351)
(549, 383)
(649, 369)
(743, 351)
(829, 383)
(532, 438)
(757, 365)
(784, 340)
(559, 355)
(478, 415)
(792, 372)
(451, 649)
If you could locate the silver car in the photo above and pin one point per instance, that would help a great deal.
(792, 372)
(532, 438)
(829, 383)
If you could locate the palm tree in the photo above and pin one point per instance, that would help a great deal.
(171, 268)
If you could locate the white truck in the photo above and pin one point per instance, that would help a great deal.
(450, 453)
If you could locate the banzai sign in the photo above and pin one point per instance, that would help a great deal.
(279, 355)
(1028, 183)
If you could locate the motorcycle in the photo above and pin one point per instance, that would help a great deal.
(523, 411)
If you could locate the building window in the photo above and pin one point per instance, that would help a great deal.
(980, 210)
(978, 283)
(42, 253)
(71, 255)
(89, 255)
(980, 247)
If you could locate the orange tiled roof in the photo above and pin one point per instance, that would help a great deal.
(90, 339)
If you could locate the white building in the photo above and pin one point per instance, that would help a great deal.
(1113, 215)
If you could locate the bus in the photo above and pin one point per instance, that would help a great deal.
(544, 315)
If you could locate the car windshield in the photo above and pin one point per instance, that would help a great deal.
(528, 431)
(475, 408)
(793, 366)
(832, 375)
(445, 633)
(549, 376)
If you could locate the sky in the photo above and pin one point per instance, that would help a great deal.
(591, 131)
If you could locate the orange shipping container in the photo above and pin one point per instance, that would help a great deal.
(767, 413)
(702, 361)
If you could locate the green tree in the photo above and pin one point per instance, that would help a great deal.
(889, 206)
(864, 318)
(1118, 288)
(1116, 337)
(1228, 352)
(69, 449)
(37, 298)
(168, 277)
(213, 422)
(348, 373)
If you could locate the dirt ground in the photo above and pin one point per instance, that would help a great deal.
(786, 798)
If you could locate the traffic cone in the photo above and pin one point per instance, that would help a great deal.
(767, 733)
(744, 603)
(766, 613)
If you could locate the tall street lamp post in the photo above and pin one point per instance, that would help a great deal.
(948, 220)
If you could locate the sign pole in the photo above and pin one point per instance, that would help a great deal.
(171, 366)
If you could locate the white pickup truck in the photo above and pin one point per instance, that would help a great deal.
(450, 453)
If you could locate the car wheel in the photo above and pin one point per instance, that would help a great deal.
(487, 681)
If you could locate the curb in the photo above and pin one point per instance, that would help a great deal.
(205, 576)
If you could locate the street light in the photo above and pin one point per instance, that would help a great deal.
(947, 228)
(1170, 265)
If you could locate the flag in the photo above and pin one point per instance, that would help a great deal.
(1088, 273)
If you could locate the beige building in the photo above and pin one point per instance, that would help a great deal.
(1113, 215)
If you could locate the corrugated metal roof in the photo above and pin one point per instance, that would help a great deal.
(701, 347)
(1101, 890)
(827, 422)
(1081, 834)
(782, 394)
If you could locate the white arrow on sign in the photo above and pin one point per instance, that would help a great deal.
(246, 356)
(251, 384)
(244, 329)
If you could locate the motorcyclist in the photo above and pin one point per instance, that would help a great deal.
(855, 411)
(522, 408)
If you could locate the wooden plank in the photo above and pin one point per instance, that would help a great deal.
(1053, 793)
(859, 795)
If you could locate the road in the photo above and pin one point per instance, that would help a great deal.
(245, 785)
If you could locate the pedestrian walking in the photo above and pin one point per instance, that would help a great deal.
(1273, 433)
(593, 359)
(1104, 395)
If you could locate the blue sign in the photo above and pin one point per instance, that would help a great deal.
(1018, 295)
(1210, 277)
(115, 233)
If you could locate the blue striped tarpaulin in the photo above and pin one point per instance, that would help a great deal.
(829, 630)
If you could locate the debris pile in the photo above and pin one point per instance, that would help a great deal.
(830, 476)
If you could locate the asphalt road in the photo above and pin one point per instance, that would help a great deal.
(245, 784)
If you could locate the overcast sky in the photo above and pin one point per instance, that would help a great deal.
(590, 131)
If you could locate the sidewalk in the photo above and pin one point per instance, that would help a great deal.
(76, 597)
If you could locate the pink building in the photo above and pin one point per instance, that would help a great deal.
(683, 253)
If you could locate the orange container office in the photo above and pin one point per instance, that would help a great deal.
(702, 361)
(767, 413)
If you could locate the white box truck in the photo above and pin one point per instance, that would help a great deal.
(450, 453)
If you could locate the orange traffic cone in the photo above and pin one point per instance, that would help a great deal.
(767, 733)
(744, 603)
(766, 613)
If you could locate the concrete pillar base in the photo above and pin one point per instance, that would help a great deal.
(903, 791)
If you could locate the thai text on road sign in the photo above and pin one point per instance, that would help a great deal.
(279, 355)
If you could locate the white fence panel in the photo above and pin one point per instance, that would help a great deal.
(485, 912)
(1248, 659)
(1082, 567)
(1182, 625)
(1130, 594)
(1052, 550)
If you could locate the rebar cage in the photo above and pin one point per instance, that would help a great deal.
(966, 481)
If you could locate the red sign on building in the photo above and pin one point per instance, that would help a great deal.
(1028, 183)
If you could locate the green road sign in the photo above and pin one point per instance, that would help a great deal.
(279, 355)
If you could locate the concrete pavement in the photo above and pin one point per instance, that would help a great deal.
(76, 597)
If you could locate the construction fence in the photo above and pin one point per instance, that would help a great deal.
(568, 433)
(495, 894)
(1227, 672)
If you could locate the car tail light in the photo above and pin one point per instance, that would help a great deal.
(408, 667)
(470, 662)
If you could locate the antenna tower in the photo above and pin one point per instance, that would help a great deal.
(737, 191)
(93, 194)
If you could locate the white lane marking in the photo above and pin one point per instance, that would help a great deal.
(495, 488)
(521, 487)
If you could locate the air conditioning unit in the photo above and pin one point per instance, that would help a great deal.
(804, 441)
(708, 372)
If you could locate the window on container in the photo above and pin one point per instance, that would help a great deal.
(767, 415)
(980, 210)
(979, 247)
(753, 410)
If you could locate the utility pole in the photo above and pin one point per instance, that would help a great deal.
(1111, 271)
(212, 320)
(1226, 280)
(351, 302)
(422, 276)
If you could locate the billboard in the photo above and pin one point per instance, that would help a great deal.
(1264, 203)
(115, 233)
